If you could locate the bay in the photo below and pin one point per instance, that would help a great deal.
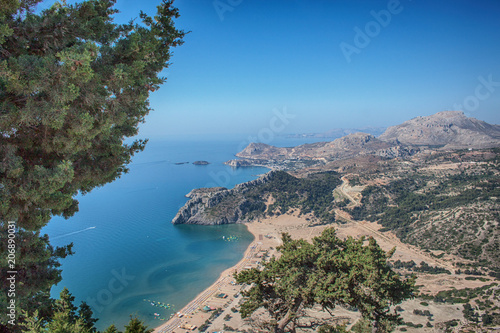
(128, 256)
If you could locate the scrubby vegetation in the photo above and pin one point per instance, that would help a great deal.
(308, 195)
(456, 212)
(453, 296)
(311, 195)
(423, 268)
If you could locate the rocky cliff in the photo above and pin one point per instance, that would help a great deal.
(238, 163)
(309, 194)
(218, 205)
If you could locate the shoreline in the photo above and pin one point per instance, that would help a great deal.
(191, 314)
(267, 233)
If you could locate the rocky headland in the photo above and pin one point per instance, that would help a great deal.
(217, 205)
(444, 131)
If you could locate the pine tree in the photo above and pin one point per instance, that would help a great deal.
(65, 319)
(73, 87)
(85, 313)
(136, 326)
(37, 265)
(65, 304)
(327, 272)
(111, 329)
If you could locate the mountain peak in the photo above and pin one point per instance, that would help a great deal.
(451, 129)
(448, 114)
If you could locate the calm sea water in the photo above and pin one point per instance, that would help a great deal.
(129, 255)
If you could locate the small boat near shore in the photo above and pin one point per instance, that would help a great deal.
(159, 304)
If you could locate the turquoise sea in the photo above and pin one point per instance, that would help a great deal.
(128, 254)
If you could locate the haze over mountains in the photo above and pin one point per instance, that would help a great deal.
(443, 130)
(340, 132)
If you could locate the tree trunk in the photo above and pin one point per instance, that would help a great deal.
(280, 327)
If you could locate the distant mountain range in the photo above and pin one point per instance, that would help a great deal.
(339, 132)
(346, 147)
(443, 130)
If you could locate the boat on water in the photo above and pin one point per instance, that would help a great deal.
(231, 238)
(159, 304)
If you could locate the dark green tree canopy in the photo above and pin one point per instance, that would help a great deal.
(327, 272)
(73, 86)
(67, 318)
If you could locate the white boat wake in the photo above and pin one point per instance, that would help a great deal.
(74, 232)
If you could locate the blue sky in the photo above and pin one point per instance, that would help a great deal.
(330, 64)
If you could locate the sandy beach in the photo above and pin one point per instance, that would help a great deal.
(267, 233)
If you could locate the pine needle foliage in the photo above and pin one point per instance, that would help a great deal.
(329, 272)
